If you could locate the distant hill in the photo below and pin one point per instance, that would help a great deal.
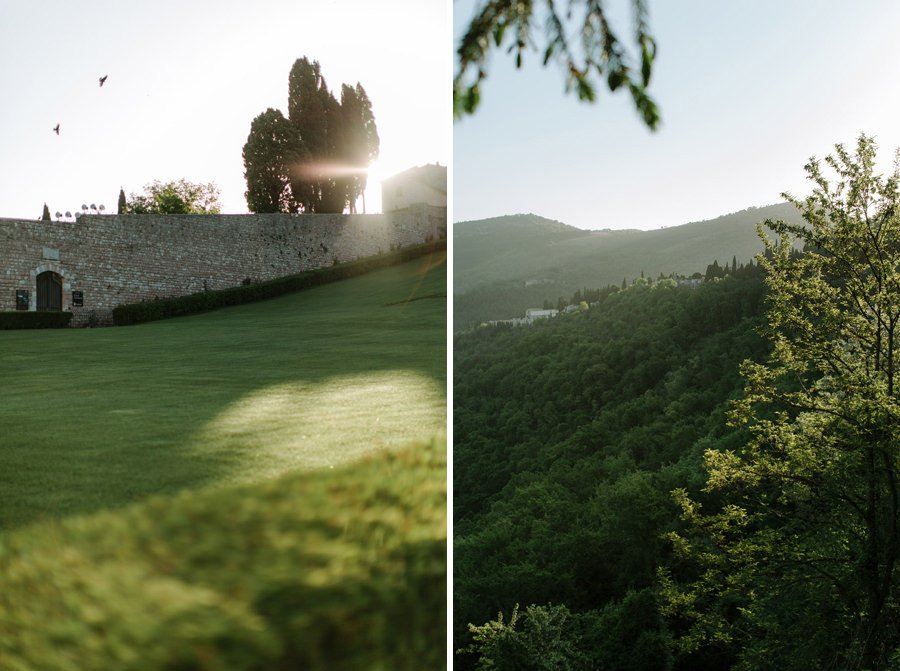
(506, 264)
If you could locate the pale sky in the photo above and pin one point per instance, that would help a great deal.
(749, 91)
(186, 79)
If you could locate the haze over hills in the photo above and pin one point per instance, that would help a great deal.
(504, 265)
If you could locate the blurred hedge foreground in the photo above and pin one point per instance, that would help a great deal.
(333, 569)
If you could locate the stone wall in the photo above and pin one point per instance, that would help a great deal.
(114, 259)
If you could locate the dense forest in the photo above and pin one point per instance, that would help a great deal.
(569, 436)
(694, 476)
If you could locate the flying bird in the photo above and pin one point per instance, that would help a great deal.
(56, 130)
(103, 79)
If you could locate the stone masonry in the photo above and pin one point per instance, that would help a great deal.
(115, 259)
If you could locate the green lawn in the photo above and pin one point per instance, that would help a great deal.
(98, 418)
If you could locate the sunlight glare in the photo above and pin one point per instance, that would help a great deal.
(303, 425)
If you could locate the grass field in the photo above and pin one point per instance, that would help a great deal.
(94, 419)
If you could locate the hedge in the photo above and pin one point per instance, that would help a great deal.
(337, 569)
(137, 313)
(34, 320)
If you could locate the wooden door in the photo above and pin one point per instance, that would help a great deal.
(49, 291)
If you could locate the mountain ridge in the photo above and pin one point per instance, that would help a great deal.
(503, 265)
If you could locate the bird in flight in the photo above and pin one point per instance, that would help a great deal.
(103, 79)
(56, 130)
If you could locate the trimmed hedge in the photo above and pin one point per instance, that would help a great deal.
(34, 320)
(337, 569)
(137, 313)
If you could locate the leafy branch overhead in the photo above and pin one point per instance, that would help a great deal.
(580, 38)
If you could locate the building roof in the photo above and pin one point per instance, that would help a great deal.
(432, 175)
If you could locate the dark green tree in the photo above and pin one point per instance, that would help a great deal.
(324, 157)
(123, 204)
(271, 150)
(796, 562)
(714, 271)
(176, 197)
(361, 142)
(579, 37)
(335, 174)
(45, 216)
(308, 111)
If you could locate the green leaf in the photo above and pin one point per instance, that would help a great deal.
(646, 106)
(499, 30)
(646, 64)
(615, 79)
(473, 97)
(547, 54)
(585, 90)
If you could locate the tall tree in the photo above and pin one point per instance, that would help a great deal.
(596, 55)
(176, 197)
(308, 113)
(123, 204)
(797, 562)
(334, 173)
(361, 142)
(45, 215)
(272, 149)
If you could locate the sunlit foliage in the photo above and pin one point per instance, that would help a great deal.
(796, 564)
(176, 197)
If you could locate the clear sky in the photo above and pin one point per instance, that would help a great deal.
(186, 79)
(748, 90)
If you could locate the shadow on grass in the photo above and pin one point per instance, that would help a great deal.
(95, 419)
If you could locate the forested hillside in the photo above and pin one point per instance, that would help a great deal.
(503, 266)
(569, 437)
(695, 477)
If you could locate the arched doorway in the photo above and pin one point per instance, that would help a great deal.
(49, 291)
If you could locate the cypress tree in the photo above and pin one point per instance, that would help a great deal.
(332, 144)
(307, 112)
(360, 138)
(46, 214)
(123, 204)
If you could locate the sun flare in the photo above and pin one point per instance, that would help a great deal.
(304, 426)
